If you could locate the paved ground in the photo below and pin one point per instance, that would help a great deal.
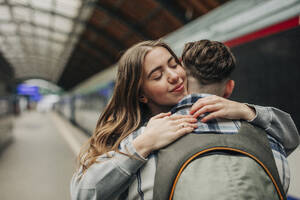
(38, 165)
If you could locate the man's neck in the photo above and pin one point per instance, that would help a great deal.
(194, 86)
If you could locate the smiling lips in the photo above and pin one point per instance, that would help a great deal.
(178, 88)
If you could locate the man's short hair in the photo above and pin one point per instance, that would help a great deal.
(208, 61)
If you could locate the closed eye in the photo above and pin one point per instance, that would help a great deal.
(172, 63)
(174, 66)
(156, 76)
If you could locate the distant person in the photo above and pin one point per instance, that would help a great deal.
(150, 81)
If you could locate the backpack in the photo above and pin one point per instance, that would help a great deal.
(251, 142)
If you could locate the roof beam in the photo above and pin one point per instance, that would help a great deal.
(78, 71)
(113, 13)
(102, 52)
(169, 6)
(114, 43)
(84, 53)
(212, 3)
(199, 6)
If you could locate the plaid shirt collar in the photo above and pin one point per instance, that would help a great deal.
(188, 101)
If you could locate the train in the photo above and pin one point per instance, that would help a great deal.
(84, 109)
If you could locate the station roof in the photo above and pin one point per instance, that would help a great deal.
(68, 41)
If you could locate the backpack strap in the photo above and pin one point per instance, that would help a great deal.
(250, 141)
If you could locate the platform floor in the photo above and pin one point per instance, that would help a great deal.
(39, 163)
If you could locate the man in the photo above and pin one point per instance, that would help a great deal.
(222, 174)
(209, 65)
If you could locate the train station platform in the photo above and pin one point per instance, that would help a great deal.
(40, 161)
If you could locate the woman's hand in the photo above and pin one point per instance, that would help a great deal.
(162, 130)
(219, 107)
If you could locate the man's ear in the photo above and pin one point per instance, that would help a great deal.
(229, 88)
(143, 99)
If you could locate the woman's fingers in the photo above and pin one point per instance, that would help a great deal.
(183, 131)
(214, 115)
(161, 115)
(177, 117)
(203, 102)
(171, 117)
(186, 124)
(189, 119)
(207, 108)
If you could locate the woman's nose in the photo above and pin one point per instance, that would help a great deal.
(173, 76)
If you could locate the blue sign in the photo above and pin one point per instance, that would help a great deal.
(24, 89)
(36, 97)
(31, 91)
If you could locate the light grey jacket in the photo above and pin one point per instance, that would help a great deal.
(110, 179)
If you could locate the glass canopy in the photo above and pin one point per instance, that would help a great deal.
(38, 36)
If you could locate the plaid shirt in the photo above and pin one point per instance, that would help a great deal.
(221, 126)
(142, 186)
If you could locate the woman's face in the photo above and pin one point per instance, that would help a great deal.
(164, 81)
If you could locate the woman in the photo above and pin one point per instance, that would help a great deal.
(146, 88)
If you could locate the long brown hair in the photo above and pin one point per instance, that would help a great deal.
(124, 112)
